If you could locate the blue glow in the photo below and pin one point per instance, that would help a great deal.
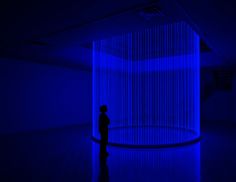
(178, 164)
(41, 96)
(150, 82)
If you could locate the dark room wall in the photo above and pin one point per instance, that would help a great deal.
(219, 108)
(218, 102)
(38, 96)
(234, 98)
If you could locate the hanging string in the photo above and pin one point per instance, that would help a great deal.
(150, 81)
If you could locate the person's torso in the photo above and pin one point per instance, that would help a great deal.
(103, 122)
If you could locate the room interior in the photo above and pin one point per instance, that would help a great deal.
(47, 98)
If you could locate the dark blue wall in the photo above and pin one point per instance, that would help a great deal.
(37, 96)
(234, 99)
(218, 105)
(219, 108)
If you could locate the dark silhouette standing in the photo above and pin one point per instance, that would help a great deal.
(103, 129)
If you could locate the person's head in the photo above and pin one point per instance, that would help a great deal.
(103, 108)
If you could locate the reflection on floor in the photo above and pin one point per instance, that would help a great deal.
(180, 164)
(69, 155)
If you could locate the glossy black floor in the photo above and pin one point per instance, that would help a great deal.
(68, 154)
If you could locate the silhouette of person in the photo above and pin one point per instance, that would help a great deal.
(104, 121)
(104, 171)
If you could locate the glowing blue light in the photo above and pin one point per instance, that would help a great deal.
(150, 82)
(178, 164)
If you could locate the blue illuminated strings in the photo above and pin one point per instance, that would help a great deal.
(150, 81)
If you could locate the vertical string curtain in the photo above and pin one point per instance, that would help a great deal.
(150, 81)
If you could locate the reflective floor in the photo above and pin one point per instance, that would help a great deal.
(69, 155)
